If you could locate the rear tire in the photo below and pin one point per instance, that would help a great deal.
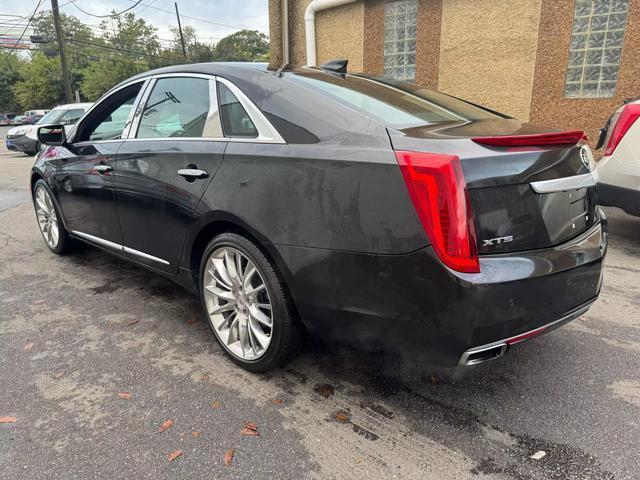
(49, 219)
(247, 305)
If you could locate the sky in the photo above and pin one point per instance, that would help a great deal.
(212, 19)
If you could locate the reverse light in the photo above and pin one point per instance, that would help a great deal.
(627, 117)
(438, 191)
(535, 140)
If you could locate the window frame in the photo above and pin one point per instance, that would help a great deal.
(266, 132)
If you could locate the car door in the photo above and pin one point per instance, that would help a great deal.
(174, 150)
(84, 169)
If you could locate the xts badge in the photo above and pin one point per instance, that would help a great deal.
(491, 242)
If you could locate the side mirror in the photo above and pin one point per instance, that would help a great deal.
(52, 135)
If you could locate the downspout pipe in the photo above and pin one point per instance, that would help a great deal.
(285, 32)
(310, 24)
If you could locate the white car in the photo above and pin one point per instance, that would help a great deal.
(619, 169)
(25, 137)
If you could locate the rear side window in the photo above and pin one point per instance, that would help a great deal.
(235, 119)
(393, 103)
(177, 107)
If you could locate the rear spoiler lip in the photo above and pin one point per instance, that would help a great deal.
(571, 137)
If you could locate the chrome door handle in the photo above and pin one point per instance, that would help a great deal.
(192, 173)
(103, 168)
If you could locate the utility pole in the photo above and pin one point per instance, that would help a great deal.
(184, 50)
(66, 80)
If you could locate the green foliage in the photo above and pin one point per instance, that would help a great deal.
(100, 58)
(9, 76)
(243, 46)
(41, 83)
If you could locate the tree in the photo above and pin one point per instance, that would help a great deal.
(41, 83)
(243, 46)
(9, 76)
(103, 74)
(136, 39)
(196, 51)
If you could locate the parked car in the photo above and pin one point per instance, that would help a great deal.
(619, 170)
(353, 207)
(25, 139)
(31, 113)
(32, 119)
(18, 120)
(4, 120)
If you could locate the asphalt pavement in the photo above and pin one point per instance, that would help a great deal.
(96, 354)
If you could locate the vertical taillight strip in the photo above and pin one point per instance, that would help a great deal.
(438, 191)
(627, 118)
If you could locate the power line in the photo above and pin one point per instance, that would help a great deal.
(121, 50)
(6, 57)
(112, 15)
(235, 27)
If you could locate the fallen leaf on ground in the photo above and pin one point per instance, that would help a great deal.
(228, 457)
(277, 401)
(195, 433)
(58, 374)
(342, 416)
(435, 380)
(325, 390)
(132, 322)
(215, 404)
(539, 455)
(204, 377)
(28, 346)
(125, 395)
(173, 455)
(8, 420)
(250, 428)
(165, 425)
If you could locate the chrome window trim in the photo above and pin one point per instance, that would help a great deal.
(117, 246)
(266, 132)
(133, 130)
(98, 102)
(565, 183)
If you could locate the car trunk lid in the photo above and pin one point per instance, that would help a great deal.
(528, 188)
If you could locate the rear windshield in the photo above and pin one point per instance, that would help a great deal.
(396, 104)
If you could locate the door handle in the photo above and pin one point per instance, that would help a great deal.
(101, 169)
(192, 173)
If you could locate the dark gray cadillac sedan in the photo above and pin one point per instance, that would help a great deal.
(358, 208)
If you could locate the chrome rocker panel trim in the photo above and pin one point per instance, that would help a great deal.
(117, 246)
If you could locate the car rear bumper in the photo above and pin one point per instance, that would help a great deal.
(624, 198)
(413, 305)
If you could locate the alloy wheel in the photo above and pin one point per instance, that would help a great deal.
(238, 303)
(47, 218)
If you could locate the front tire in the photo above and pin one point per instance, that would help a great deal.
(247, 305)
(49, 219)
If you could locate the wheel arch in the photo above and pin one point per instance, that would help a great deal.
(219, 222)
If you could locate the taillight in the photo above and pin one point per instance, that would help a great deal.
(628, 116)
(438, 191)
(534, 140)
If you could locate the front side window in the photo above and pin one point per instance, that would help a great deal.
(178, 107)
(400, 39)
(596, 48)
(235, 119)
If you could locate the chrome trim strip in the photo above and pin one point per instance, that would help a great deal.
(133, 129)
(565, 183)
(98, 240)
(266, 132)
(144, 255)
(117, 246)
(504, 344)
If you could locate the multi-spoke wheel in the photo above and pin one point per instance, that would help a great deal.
(246, 304)
(47, 214)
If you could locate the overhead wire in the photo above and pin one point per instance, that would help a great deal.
(112, 15)
(8, 54)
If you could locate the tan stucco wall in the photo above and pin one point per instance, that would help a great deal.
(339, 34)
(488, 52)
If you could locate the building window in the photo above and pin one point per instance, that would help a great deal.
(596, 47)
(400, 39)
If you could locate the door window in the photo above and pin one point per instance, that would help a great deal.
(235, 119)
(108, 120)
(179, 107)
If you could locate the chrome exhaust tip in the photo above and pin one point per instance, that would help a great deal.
(477, 355)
